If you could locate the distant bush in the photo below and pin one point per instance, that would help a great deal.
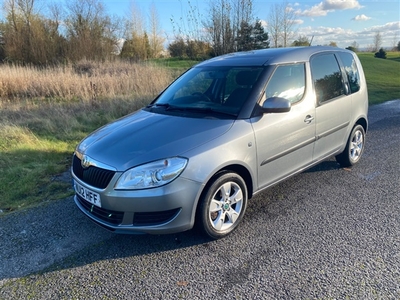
(351, 48)
(381, 54)
(192, 49)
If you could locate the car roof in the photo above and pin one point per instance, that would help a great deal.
(269, 56)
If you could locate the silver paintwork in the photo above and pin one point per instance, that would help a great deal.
(263, 148)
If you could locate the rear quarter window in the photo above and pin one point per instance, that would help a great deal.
(350, 67)
(327, 78)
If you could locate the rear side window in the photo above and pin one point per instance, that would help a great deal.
(327, 77)
(350, 67)
(288, 81)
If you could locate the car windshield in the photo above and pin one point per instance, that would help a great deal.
(210, 90)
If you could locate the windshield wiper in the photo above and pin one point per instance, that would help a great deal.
(165, 105)
(203, 110)
(207, 110)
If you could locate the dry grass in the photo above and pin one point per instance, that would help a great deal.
(84, 81)
(45, 112)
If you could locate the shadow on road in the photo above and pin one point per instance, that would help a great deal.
(57, 235)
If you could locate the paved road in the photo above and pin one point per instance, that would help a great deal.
(328, 233)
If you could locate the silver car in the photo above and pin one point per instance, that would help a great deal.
(222, 132)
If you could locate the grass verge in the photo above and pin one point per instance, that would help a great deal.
(39, 133)
(382, 75)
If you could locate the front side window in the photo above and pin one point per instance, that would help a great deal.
(351, 70)
(327, 77)
(287, 81)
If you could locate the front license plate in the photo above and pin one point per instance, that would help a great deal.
(87, 194)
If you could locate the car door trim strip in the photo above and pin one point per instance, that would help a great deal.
(297, 147)
(333, 130)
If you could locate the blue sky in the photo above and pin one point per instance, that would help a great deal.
(340, 21)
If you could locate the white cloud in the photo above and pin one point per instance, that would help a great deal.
(388, 29)
(298, 21)
(315, 11)
(345, 37)
(326, 6)
(331, 5)
(361, 18)
(264, 23)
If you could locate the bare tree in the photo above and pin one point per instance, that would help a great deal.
(220, 27)
(377, 41)
(288, 22)
(27, 36)
(275, 26)
(156, 40)
(281, 21)
(189, 25)
(243, 14)
(394, 41)
(138, 34)
(355, 45)
(224, 22)
(90, 31)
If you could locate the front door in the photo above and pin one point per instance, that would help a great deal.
(285, 141)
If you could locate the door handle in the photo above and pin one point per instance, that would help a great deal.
(308, 119)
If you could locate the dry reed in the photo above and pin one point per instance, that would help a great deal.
(84, 81)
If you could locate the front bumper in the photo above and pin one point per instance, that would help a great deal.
(167, 209)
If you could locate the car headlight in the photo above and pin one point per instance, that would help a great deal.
(154, 174)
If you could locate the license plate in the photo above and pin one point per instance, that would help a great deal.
(87, 194)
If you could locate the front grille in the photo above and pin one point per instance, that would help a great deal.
(154, 218)
(93, 176)
(109, 216)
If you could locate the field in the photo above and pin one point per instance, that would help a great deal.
(383, 76)
(44, 113)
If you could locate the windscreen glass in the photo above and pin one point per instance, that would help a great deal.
(211, 89)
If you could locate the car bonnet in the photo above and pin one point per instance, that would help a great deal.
(144, 136)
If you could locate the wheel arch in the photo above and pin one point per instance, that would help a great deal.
(234, 168)
(363, 122)
(240, 170)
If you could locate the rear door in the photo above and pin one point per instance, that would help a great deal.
(333, 110)
(285, 141)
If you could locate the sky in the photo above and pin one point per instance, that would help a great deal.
(341, 21)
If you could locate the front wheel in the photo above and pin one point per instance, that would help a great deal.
(354, 148)
(222, 206)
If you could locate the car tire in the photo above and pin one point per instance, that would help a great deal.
(222, 205)
(354, 148)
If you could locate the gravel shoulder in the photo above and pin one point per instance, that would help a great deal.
(328, 233)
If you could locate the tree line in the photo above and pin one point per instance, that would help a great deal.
(70, 31)
(81, 29)
(76, 30)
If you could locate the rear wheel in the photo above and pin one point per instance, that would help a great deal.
(222, 206)
(354, 148)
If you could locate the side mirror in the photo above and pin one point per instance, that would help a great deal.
(276, 105)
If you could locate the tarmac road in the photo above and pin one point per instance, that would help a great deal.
(328, 233)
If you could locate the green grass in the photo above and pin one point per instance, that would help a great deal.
(174, 63)
(24, 159)
(382, 75)
(36, 148)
